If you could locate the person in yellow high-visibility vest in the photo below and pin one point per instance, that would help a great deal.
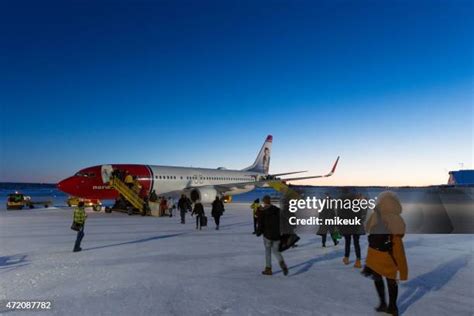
(129, 180)
(255, 205)
(137, 187)
(79, 219)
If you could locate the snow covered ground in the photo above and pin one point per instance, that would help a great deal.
(144, 266)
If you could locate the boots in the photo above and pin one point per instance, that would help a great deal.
(357, 264)
(392, 297)
(382, 308)
(380, 287)
(392, 310)
(267, 271)
(284, 268)
(345, 260)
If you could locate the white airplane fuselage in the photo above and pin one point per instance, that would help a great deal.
(170, 179)
(205, 183)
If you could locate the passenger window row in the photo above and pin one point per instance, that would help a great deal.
(167, 177)
(201, 178)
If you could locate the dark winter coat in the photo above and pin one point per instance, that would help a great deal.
(269, 222)
(350, 214)
(198, 209)
(217, 208)
(360, 229)
(183, 204)
(327, 213)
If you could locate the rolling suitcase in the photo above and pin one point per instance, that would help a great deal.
(203, 221)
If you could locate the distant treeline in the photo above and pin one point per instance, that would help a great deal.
(19, 185)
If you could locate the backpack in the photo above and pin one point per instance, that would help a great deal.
(379, 238)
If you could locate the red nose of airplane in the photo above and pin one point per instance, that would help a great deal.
(69, 185)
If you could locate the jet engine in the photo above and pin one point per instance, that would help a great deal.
(206, 194)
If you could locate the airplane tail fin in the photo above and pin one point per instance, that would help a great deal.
(262, 162)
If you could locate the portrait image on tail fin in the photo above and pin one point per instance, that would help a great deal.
(262, 162)
(266, 160)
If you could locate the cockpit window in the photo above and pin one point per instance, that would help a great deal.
(85, 174)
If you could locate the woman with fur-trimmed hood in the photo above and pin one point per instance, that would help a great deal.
(386, 254)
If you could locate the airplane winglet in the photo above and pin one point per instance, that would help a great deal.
(314, 177)
(334, 167)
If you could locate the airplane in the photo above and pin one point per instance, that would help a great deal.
(202, 184)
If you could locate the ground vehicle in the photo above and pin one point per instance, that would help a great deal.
(94, 203)
(17, 201)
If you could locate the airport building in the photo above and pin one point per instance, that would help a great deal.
(461, 177)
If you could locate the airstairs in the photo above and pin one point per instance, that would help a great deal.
(284, 189)
(130, 195)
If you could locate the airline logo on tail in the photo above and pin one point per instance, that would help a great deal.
(262, 162)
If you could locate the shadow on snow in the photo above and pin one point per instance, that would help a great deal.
(12, 262)
(430, 282)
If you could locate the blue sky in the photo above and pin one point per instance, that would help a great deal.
(386, 85)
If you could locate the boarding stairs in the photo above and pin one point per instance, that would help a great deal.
(131, 196)
(284, 189)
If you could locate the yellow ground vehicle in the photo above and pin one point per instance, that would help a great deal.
(17, 201)
(94, 203)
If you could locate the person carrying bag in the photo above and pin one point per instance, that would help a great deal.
(79, 220)
(386, 254)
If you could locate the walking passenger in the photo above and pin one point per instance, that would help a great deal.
(79, 220)
(255, 205)
(163, 206)
(328, 213)
(183, 207)
(199, 211)
(128, 180)
(217, 211)
(146, 206)
(153, 196)
(171, 206)
(269, 227)
(386, 254)
(353, 231)
(136, 187)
